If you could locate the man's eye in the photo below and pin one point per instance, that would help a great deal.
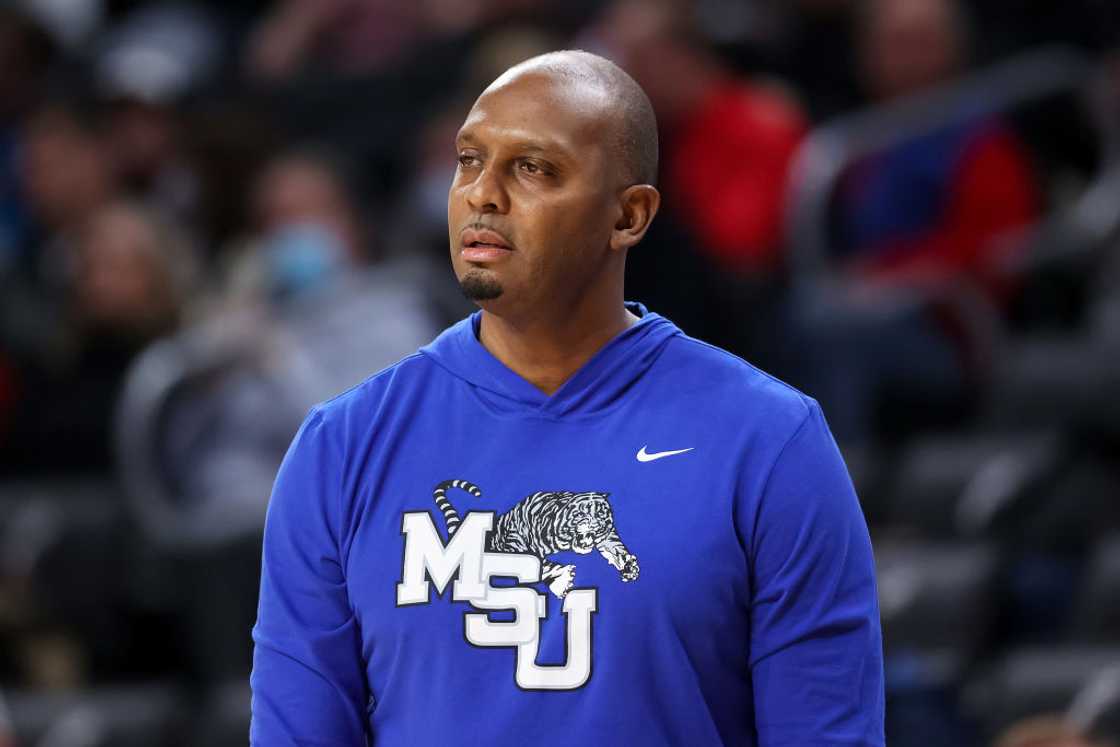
(531, 168)
(466, 160)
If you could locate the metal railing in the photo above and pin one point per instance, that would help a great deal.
(835, 146)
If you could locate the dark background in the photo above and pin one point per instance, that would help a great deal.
(215, 214)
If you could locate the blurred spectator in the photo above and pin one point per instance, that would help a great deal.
(308, 187)
(948, 203)
(356, 37)
(343, 302)
(229, 139)
(70, 22)
(727, 142)
(25, 53)
(920, 230)
(132, 276)
(144, 141)
(304, 314)
(343, 36)
(908, 46)
(67, 177)
(144, 69)
(813, 46)
(308, 230)
(1045, 731)
(135, 274)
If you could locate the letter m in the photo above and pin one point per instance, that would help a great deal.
(425, 556)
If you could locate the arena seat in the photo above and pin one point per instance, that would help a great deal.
(33, 514)
(1080, 507)
(929, 477)
(1055, 382)
(868, 469)
(954, 485)
(1096, 707)
(1031, 681)
(138, 715)
(1096, 617)
(223, 720)
(67, 541)
(935, 602)
(1010, 484)
(219, 606)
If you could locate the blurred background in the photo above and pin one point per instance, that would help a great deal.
(215, 214)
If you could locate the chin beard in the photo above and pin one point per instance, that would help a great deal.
(477, 287)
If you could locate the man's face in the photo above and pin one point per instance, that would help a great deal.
(533, 202)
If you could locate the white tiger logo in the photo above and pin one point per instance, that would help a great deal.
(548, 522)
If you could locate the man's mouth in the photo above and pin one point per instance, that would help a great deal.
(479, 236)
(484, 245)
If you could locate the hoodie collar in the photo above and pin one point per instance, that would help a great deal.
(596, 386)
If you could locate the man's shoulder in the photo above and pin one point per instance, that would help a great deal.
(728, 378)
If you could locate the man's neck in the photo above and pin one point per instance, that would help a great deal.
(547, 352)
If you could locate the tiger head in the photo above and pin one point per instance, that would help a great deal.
(586, 521)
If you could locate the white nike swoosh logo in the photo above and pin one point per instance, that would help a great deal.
(645, 456)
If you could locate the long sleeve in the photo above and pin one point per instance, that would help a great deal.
(815, 645)
(308, 683)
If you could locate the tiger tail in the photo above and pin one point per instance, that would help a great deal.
(450, 515)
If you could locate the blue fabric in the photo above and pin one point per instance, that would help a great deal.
(14, 221)
(740, 609)
(904, 192)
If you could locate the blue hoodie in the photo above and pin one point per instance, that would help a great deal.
(666, 551)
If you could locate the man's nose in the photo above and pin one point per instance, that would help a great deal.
(487, 194)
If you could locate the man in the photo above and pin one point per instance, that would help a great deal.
(564, 521)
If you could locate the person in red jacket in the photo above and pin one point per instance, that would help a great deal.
(936, 214)
(729, 141)
(949, 203)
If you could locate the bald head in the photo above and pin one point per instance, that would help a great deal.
(631, 127)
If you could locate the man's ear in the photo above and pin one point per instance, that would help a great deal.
(638, 204)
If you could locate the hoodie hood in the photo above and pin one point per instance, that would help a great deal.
(595, 387)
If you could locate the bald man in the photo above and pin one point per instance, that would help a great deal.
(564, 521)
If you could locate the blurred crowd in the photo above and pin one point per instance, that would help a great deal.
(215, 214)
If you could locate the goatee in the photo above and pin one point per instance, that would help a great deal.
(477, 287)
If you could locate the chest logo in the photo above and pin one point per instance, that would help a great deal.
(645, 456)
(517, 543)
